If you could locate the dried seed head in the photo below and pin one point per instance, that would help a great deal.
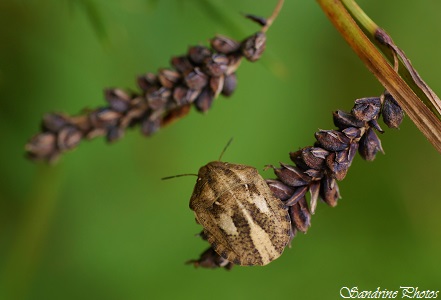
(54, 122)
(352, 151)
(338, 163)
(298, 194)
(392, 112)
(223, 44)
(147, 81)
(103, 117)
(343, 120)
(217, 84)
(181, 64)
(314, 174)
(230, 83)
(314, 157)
(204, 100)
(314, 189)
(175, 114)
(257, 19)
(234, 61)
(168, 78)
(354, 133)
(253, 46)
(42, 145)
(216, 65)
(158, 98)
(280, 190)
(68, 138)
(150, 125)
(370, 144)
(118, 99)
(114, 133)
(367, 109)
(374, 123)
(300, 215)
(196, 79)
(332, 140)
(198, 54)
(183, 95)
(296, 157)
(292, 176)
(329, 191)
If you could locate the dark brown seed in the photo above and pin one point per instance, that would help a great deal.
(298, 194)
(314, 157)
(210, 259)
(329, 191)
(366, 109)
(353, 133)
(150, 125)
(374, 123)
(392, 112)
(296, 157)
(41, 145)
(370, 144)
(217, 84)
(300, 215)
(253, 46)
(114, 133)
(103, 117)
(352, 151)
(259, 20)
(225, 45)
(344, 120)
(234, 61)
(147, 81)
(314, 174)
(183, 95)
(216, 65)
(68, 137)
(198, 54)
(338, 163)
(204, 100)
(279, 189)
(158, 98)
(292, 176)
(181, 64)
(230, 83)
(175, 114)
(54, 122)
(332, 140)
(118, 99)
(196, 79)
(168, 78)
(314, 190)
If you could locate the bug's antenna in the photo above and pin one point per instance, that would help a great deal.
(180, 175)
(225, 149)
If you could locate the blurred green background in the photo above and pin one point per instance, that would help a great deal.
(102, 225)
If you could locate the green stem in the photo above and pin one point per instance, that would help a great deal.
(370, 28)
(426, 120)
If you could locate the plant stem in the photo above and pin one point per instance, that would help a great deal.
(427, 121)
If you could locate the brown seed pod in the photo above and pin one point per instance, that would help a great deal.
(243, 221)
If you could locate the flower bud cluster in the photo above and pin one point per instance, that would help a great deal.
(196, 78)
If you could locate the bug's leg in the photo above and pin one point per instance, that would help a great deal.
(211, 260)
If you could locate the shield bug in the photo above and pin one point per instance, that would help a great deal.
(242, 220)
